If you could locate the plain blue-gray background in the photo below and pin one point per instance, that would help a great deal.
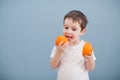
(28, 29)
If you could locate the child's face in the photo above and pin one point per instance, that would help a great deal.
(72, 30)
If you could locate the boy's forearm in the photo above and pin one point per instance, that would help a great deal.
(90, 63)
(55, 61)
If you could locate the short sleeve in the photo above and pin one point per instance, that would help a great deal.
(53, 52)
(93, 55)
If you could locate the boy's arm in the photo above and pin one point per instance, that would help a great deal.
(55, 60)
(89, 63)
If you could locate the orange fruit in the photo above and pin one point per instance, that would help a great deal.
(61, 39)
(87, 49)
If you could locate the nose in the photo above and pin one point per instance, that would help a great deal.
(68, 30)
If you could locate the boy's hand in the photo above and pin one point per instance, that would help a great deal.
(88, 57)
(61, 48)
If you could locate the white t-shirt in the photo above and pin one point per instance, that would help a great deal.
(72, 64)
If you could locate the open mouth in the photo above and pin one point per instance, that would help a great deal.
(69, 37)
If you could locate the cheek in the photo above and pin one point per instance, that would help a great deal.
(64, 32)
(77, 35)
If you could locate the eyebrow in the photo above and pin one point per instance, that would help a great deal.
(74, 27)
(65, 25)
(71, 26)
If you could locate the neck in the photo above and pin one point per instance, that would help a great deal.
(75, 43)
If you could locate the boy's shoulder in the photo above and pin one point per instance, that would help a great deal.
(83, 41)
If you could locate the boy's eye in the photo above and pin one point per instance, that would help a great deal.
(74, 29)
(66, 28)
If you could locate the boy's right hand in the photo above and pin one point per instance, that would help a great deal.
(61, 43)
(61, 48)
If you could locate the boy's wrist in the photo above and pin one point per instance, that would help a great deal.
(88, 57)
(59, 51)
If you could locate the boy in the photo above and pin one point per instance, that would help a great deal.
(68, 58)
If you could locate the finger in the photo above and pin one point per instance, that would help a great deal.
(66, 44)
(60, 43)
(87, 56)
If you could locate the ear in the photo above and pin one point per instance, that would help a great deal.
(82, 32)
